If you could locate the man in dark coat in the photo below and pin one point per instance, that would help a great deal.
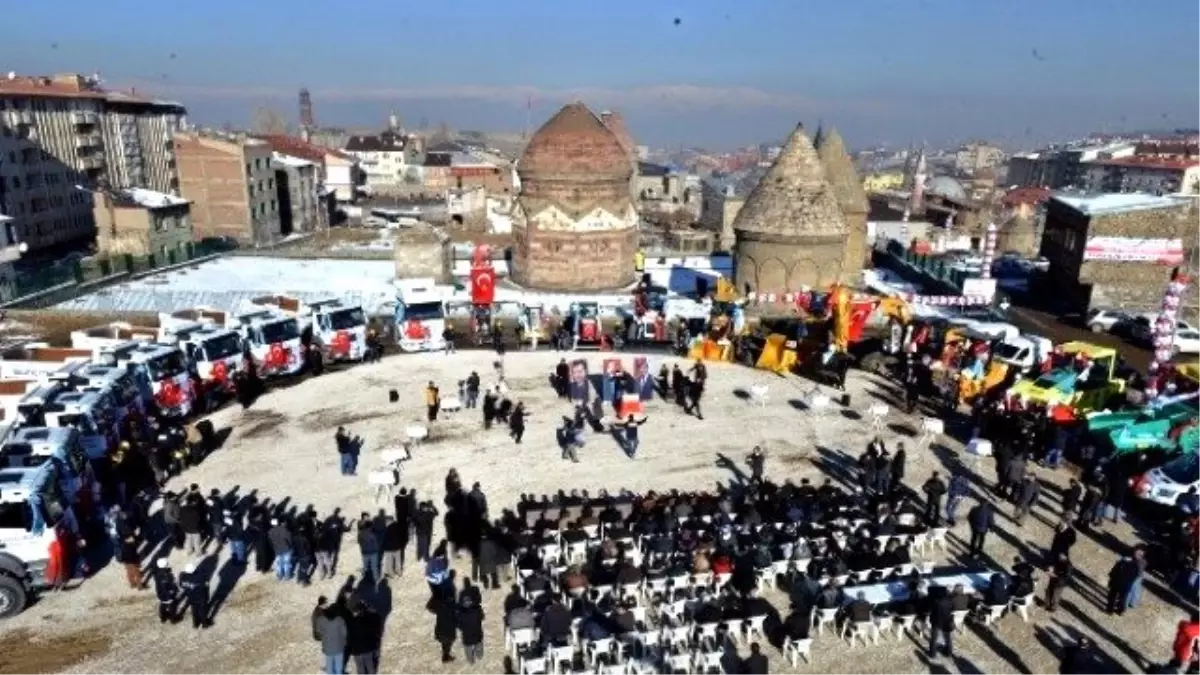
(423, 521)
(1070, 500)
(486, 563)
(195, 589)
(934, 489)
(1064, 539)
(470, 625)
(445, 628)
(166, 590)
(756, 662)
(941, 621)
(364, 639)
(1027, 496)
(1120, 579)
(898, 461)
(981, 519)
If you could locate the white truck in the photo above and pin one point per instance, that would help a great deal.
(338, 329)
(1025, 352)
(420, 315)
(114, 381)
(42, 472)
(216, 353)
(273, 339)
(160, 371)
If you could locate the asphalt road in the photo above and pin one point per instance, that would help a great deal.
(1050, 326)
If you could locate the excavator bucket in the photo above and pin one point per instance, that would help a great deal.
(725, 290)
(996, 375)
(710, 350)
(775, 356)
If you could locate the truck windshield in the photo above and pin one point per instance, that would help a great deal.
(221, 347)
(280, 331)
(423, 311)
(16, 515)
(1183, 470)
(166, 366)
(344, 319)
(1007, 351)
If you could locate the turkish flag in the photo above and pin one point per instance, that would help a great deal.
(483, 285)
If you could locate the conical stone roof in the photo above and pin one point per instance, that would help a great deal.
(794, 200)
(616, 124)
(840, 172)
(574, 145)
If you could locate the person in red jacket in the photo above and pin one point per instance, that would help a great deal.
(1185, 640)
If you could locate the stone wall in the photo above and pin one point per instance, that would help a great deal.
(855, 251)
(573, 261)
(423, 254)
(777, 266)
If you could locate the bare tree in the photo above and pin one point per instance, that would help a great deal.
(269, 121)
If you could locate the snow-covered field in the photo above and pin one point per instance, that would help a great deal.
(283, 448)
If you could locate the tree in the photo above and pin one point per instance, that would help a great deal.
(269, 121)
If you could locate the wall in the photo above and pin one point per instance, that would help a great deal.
(264, 198)
(573, 261)
(213, 178)
(422, 254)
(139, 231)
(772, 266)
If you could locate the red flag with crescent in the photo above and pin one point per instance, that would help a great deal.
(483, 285)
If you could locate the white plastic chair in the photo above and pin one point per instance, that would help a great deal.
(752, 626)
(706, 661)
(1021, 606)
(765, 578)
(702, 580)
(864, 630)
(673, 611)
(903, 624)
(879, 413)
(652, 587)
(416, 434)
(707, 633)
(677, 636)
(534, 666)
(594, 649)
(577, 552)
(679, 663)
(561, 655)
(451, 404)
(721, 580)
(937, 537)
(825, 617)
(819, 402)
(514, 640)
(759, 394)
(989, 614)
(931, 429)
(959, 619)
(797, 649)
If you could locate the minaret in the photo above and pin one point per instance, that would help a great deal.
(916, 197)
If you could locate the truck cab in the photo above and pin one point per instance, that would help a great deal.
(1025, 353)
(162, 373)
(420, 315)
(583, 322)
(339, 330)
(273, 339)
(1075, 387)
(115, 381)
(41, 473)
(92, 414)
(214, 351)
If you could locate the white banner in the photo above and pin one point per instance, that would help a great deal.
(1129, 249)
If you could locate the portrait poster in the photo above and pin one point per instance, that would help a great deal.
(613, 371)
(643, 378)
(579, 381)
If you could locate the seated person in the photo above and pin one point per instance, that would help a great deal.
(628, 575)
(537, 582)
(754, 605)
(830, 597)
(798, 624)
(574, 581)
(959, 599)
(894, 555)
(997, 592)
(722, 564)
(529, 560)
(514, 599)
(556, 625)
(859, 610)
(623, 620)
(700, 563)
(520, 617)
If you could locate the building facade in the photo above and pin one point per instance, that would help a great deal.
(136, 221)
(720, 203)
(61, 131)
(299, 193)
(1116, 250)
(976, 156)
(385, 159)
(1146, 174)
(230, 182)
(575, 227)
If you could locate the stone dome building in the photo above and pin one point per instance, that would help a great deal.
(851, 198)
(574, 224)
(791, 231)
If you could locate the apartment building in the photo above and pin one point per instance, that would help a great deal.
(300, 194)
(62, 131)
(230, 181)
(388, 160)
(337, 172)
(137, 221)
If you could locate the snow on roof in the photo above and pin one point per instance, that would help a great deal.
(225, 282)
(1105, 204)
(289, 160)
(152, 199)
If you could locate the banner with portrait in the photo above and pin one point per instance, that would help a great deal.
(643, 378)
(614, 373)
(578, 385)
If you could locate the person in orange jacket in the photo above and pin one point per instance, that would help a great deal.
(1185, 640)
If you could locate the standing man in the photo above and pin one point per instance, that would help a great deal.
(395, 537)
(1120, 580)
(628, 431)
(757, 461)
(329, 537)
(941, 621)
(345, 452)
(959, 489)
(334, 640)
(982, 519)
(281, 543)
(433, 401)
(1061, 571)
(562, 375)
(370, 550)
(1027, 495)
(235, 534)
(1064, 539)
(191, 522)
(472, 389)
(195, 590)
(423, 521)
(166, 590)
(934, 489)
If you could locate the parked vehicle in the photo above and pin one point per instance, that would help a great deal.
(1025, 352)
(161, 372)
(273, 340)
(1103, 320)
(420, 315)
(216, 354)
(1187, 341)
(1166, 483)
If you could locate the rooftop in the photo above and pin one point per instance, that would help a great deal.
(1108, 204)
(298, 147)
(146, 199)
(1025, 195)
(384, 142)
(72, 85)
(290, 160)
(223, 283)
(1150, 162)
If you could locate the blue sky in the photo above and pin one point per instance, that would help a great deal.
(729, 73)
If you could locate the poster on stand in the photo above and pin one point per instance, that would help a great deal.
(613, 371)
(579, 381)
(643, 378)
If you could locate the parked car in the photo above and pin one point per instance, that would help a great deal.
(1135, 329)
(1103, 320)
(1187, 341)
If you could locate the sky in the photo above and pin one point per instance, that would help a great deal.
(709, 73)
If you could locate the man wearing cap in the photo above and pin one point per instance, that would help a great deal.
(281, 543)
(196, 591)
(165, 589)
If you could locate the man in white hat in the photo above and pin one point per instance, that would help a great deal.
(196, 591)
(165, 589)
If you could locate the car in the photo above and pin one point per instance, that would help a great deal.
(1166, 483)
(1187, 341)
(1136, 329)
(1103, 320)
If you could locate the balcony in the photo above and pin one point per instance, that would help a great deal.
(18, 118)
(84, 118)
(92, 162)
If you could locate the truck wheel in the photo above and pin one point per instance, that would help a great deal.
(12, 596)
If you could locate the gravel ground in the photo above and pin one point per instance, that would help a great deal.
(283, 447)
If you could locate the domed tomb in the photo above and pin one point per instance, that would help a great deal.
(791, 231)
(850, 197)
(574, 223)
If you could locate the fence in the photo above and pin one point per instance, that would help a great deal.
(931, 272)
(67, 280)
